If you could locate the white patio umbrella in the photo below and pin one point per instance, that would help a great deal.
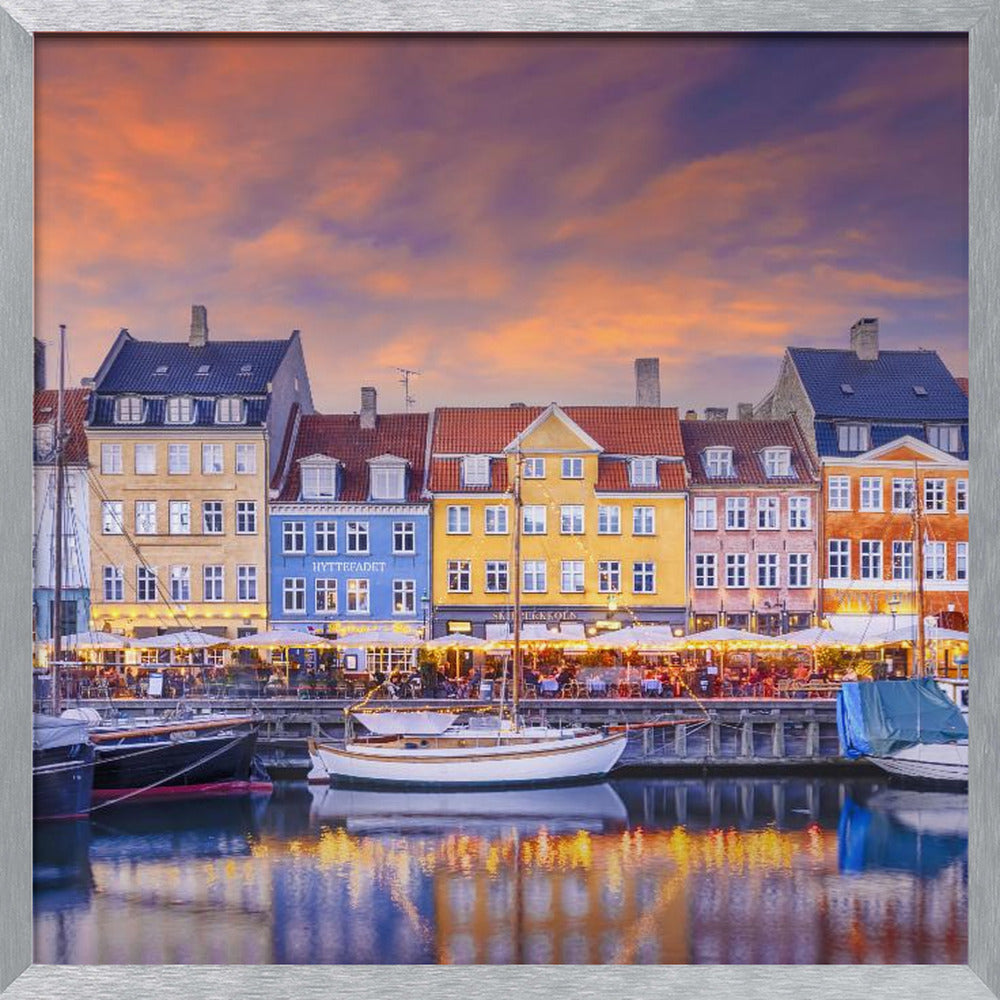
(908, 633)
(457, 642)
(281, 639)
(378, 638)
(185, 639)
(726, 639)
(94, 640)
(816, 637)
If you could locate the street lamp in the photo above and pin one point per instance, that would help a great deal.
(893, 603)
(425, 605)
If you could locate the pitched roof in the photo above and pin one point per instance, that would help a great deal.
(75, 403)
(888, 388)
(154, 412)
(963, 384)
(341, 436)
(748, 439)
(613, 477)
(827, 443)
(446, 477)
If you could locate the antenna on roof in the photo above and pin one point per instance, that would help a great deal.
(404, 381)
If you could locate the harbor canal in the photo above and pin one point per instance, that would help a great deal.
(637, 870)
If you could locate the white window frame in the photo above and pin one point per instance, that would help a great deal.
(571, 576)
(935, 496)
(497, 576)
(387, 481)
(404, 592)
(853, 438)
(644, 521)
(902, 560)
(904, 494)
(319, 481)
(128, 410)
(572, 467)
(706, 514)
(872, 494)
(229, 410)
(179, 517)
(178, 459)
(737, 509)
(533, 468)
(356, 532)
(179, 410)
(706, 571)
(246, 584)
(768, 513)
(209, 452)
(719, 463)
(838, 558)
(768, 570)
(609, 519)
(961, 496)
(458, 574)
(146, 465)
(799, 570)
(113, 578)
(246, 458)
(180, 584)
(737, 571)
(945, 437)
(293, 537)
(112, 517)
(643, 576)
(476, 470)
(496, 520)
(458, 519)
(535, 576)
(404, 538)
(213, 582)
(145, 584)
(145, 517)
(246, 517)
(777, 463)
(799, 513)
(325, 596)
(207, 514)
(293, 587)
(935, 561)
(111, 460)
(838, 488)
(359, 596)
(325, 537)
(609, 576)
(871, 559)
(642, 472)
(534, 519)
(962, 561)
(571, 519)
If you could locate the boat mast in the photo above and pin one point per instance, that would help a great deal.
(918, 569)
(516, 666)
(57, 623)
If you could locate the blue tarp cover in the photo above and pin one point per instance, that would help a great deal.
(877, 718)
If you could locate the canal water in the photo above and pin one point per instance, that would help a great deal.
(725, 870)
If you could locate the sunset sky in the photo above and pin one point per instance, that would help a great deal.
(516, 218)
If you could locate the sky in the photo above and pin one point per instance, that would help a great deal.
(516, 218)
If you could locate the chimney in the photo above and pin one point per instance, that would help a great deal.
(647, 381)
(864, 338)
(744, 411)
(199, 326)
(691, 415)
(39, 364)
(368, 408)
(716, 412)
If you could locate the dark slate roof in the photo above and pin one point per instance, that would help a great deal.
(883, 388)
(826, 437)
(75, 402)
(154, 409)
(133, 369)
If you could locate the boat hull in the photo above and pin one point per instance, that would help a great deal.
(62, 782)
(939, 763)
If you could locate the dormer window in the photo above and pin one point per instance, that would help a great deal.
(180, 410)
(476, 470)
(946, 437)
(642, 471)
(160, 370)
(719, 463)
(128, 410)
(246, 369)
(203, 370)
(777, 462)
(229, 410)
(319, 480)
(853, 437)
(388, 478)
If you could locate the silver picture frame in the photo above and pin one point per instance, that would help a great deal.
(20, 20)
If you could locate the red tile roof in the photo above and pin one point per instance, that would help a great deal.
(446, 477)
(340, 436)
(747, 438)
(613, 477)
(963, 384)
(75, 402)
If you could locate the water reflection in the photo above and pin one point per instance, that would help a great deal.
(662, 871)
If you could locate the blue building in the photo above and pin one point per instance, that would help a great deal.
(349, 528)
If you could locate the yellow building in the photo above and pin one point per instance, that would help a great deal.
(604, 509)
(182, 442)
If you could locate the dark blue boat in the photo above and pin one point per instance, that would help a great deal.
(62, 768)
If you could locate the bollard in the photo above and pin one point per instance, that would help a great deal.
(647, 742)
(714, 737)
(812, 739)
(778, 738)
(680, 741)
(746, 738)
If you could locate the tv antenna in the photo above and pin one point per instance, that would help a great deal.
(404, 381)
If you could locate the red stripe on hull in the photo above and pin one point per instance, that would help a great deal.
(169, 791)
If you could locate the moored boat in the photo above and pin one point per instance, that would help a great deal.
(62, 768)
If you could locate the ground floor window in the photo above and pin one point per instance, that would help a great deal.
(388, 661)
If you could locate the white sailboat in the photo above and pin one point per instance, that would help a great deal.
(505, 752)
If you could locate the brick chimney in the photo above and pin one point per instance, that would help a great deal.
(369, 409)
(199, 326)
(647, 381)
(716, 412)
(744, 411)
(864, 338)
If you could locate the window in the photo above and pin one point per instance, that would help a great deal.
(643, 521)
(325, 537)
(852, 437)
(961, 560)
(871, 559)
(935, 497)
(497, 577)
(642, 472)
(767, 513)
(111, 460)
(211, 459)
(145, 517)
(180, 583)
(326, 596)
(705, 570)
(45, 440)
(496, 521)
(357, 536)
(571, 519)
(533, 519)
(719, 463)
(128, 410)
(214, 578)
(293, 595)
(902, 560)
(961, 496)
(839, 558)
(609, 577)
(458, 520)
(705, 514)
(799, 513)
(839, 493)
(903, 495)
(799, 569)
(145, 584)
(180, 410)
(476, 470)
(871, 492)
(114, 583)
(767, 569)
(229, 410)
(643, 578)
(404, 597)
(736, 570)
(459, 576)
(246, 459)
(319, 482)
(293, 536)
(211, 517)
(246, 517)
(777, 462)
(388, 481)
(935, 561)
(572, 468)
(246, 583)
(112, 517)
(534, 576)
(736, 513)
(609, 520)
(203, 370)
(404, 537)
(358, 597)
(571, 576)
(533, 468)
(180, 517)
(178, 459)
(145, 459)
(947, 437)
